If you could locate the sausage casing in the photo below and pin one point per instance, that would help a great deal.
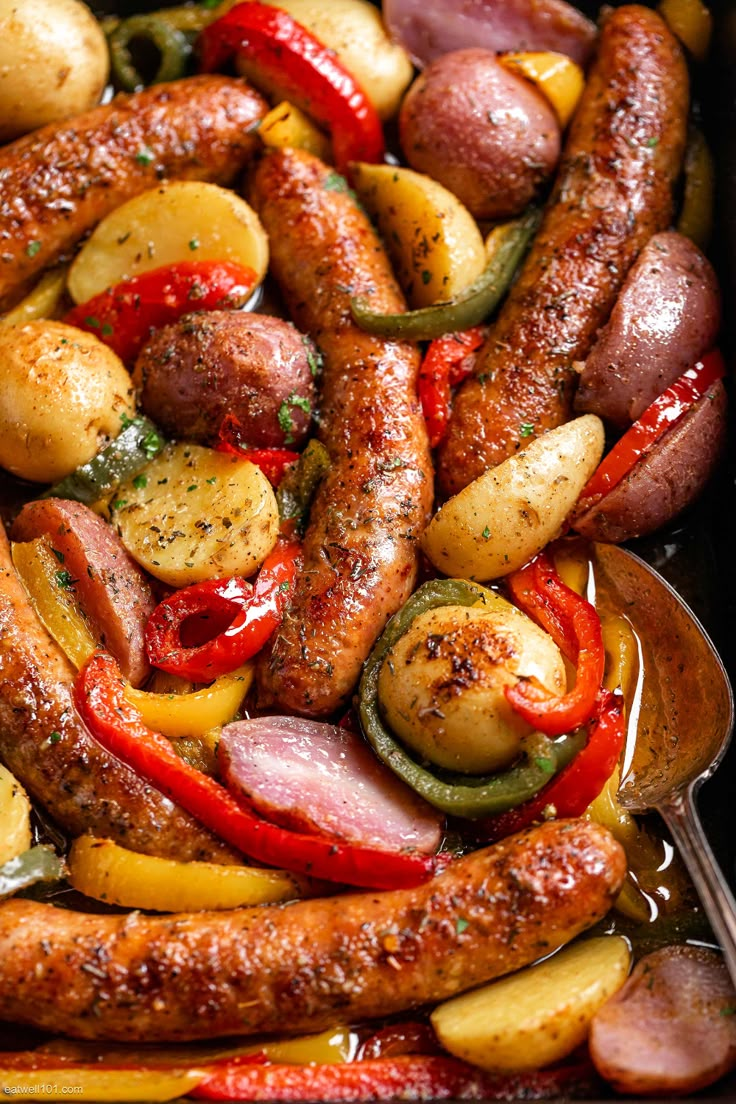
(44, 742)
(307, 965)
(614, 191)
(360, 548)
(58, 182)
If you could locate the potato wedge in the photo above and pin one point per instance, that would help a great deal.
(15, 817)
(355, 31)
(503, 518)
(434, 242)
(537, 1016)
(197, 514)
(184, 220)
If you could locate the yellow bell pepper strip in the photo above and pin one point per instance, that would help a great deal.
(195, 713)
(99, 697)
(42, 301)
(409, 1077)
(695, 220)
(307, 72)
(253, 613)
(558, 78)
(15, 817)
(104, 870)
(50, 1079)
(576, 628)
(286, 126)
(39, 571)
(38, 864)
(467, 309)
(691, 22)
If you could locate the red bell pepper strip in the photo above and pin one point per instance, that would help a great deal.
(117, 725)
(124, 315)
(527, 586)
(572, 791)
(447, 362)
(306, 71)
(253, 611)
(273, 462)
(667, 409)
(419, 1077)
(574, 622)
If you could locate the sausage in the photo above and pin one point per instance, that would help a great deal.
(113, 592)
(310, 964)
(82, 787)
(58, 182)
(614, 191)
(360, 548)
(667, 316)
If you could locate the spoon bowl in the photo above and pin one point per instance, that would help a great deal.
(684, 719)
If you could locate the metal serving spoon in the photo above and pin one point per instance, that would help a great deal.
(684, 724)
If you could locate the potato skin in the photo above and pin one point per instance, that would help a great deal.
(667, 315)
(62, 398)
(667, 479)
(253, 366)
(483, 132)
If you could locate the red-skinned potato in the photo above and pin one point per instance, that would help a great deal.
(666, 317)
(485, 133)
(671, 1029)
(254, 366)
(112, 591)
(667, 478)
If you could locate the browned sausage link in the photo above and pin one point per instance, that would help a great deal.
(45, 744)
(613, 191)
(58, 182)
(361, 544)
(309, 964)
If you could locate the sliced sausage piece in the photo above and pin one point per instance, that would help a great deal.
(310, 964)
(258, 368)
(44, 742)
(58, 182)
(614, 190)
(315, 777)
(360, 549)
(666, 479)
(113, 592)
(667, 316)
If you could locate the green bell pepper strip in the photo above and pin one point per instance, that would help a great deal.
(467, 309)
(37, 864)
(138, 442)
(457, 794)
(299, 485)
(170, 44)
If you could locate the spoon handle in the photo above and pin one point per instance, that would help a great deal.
(683, 822)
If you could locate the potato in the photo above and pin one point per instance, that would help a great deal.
(441, 687)
(184, 220)
(537, 1016)
(15, 817)
(485, 133)
(354, 30)
(53, 63)
(62, 397)
(197, 514)
(503, 518)
(671, 1030)
(435, 245)
(287, 127)
(255, 367)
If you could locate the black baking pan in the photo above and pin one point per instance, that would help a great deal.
(695, 553)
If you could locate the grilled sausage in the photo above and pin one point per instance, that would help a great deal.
(360, 549)
(613, 192)
(47, 747)
(58, 182)
(312, 963)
